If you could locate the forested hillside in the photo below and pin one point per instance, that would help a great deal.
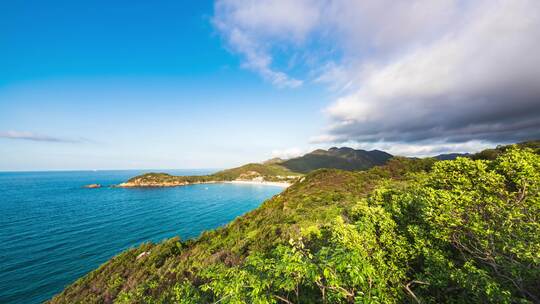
(266, 172)
(337, 158)
(273, 170)
(413, 230)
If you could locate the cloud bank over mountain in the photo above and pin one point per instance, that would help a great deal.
(409, 72)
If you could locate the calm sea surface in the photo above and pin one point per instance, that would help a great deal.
(53, 231)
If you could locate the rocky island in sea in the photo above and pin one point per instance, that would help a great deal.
(92, 186)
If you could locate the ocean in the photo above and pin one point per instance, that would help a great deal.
(53, 231)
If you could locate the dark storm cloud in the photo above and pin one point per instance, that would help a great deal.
(406, 71)
(478, 82)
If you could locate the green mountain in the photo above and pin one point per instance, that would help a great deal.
(273, 170)
(451, 156)
(337, 158)
(270, 172)
(411, 231)
(491, 154)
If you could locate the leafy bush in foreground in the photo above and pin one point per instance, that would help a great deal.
(466, 232)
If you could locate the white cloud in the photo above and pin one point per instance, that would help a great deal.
(422, 149)
(418, 149)
(23, 135)
(406, 71)
(284, 19)
(246, 25)
(289, 153)
(479, 81)
(323, 138)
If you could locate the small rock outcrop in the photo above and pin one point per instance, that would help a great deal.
(92, 186)
(142, 255)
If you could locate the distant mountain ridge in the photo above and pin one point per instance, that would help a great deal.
(249, 172)
(452, 156)
(337, 158)
(273, 170)
(290, 170)
(491, 154)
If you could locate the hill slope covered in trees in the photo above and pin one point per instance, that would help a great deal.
(273, 170)
(337, 158)
(413, 230)
(265, 172)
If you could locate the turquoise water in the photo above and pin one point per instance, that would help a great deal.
(53, 231)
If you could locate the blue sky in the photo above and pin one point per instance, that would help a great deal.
(136, 84)
(213, 84)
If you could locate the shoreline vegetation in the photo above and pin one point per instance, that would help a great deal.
(257, 174)
(241, 182)
(248, 182)
(275, 171)
(410, 231)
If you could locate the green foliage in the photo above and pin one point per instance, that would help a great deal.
(337, 158)
(185, 293)
(269, 172)
(417, 231)
(276, 169)
(492, 154)
(474, 225)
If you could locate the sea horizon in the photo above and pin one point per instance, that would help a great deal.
(179, 170)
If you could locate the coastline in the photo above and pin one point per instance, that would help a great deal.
(249, 182)
(245, 182)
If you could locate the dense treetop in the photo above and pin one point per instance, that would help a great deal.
(337, 158)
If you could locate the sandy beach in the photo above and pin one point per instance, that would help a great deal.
(279, 184)
(247, 182)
